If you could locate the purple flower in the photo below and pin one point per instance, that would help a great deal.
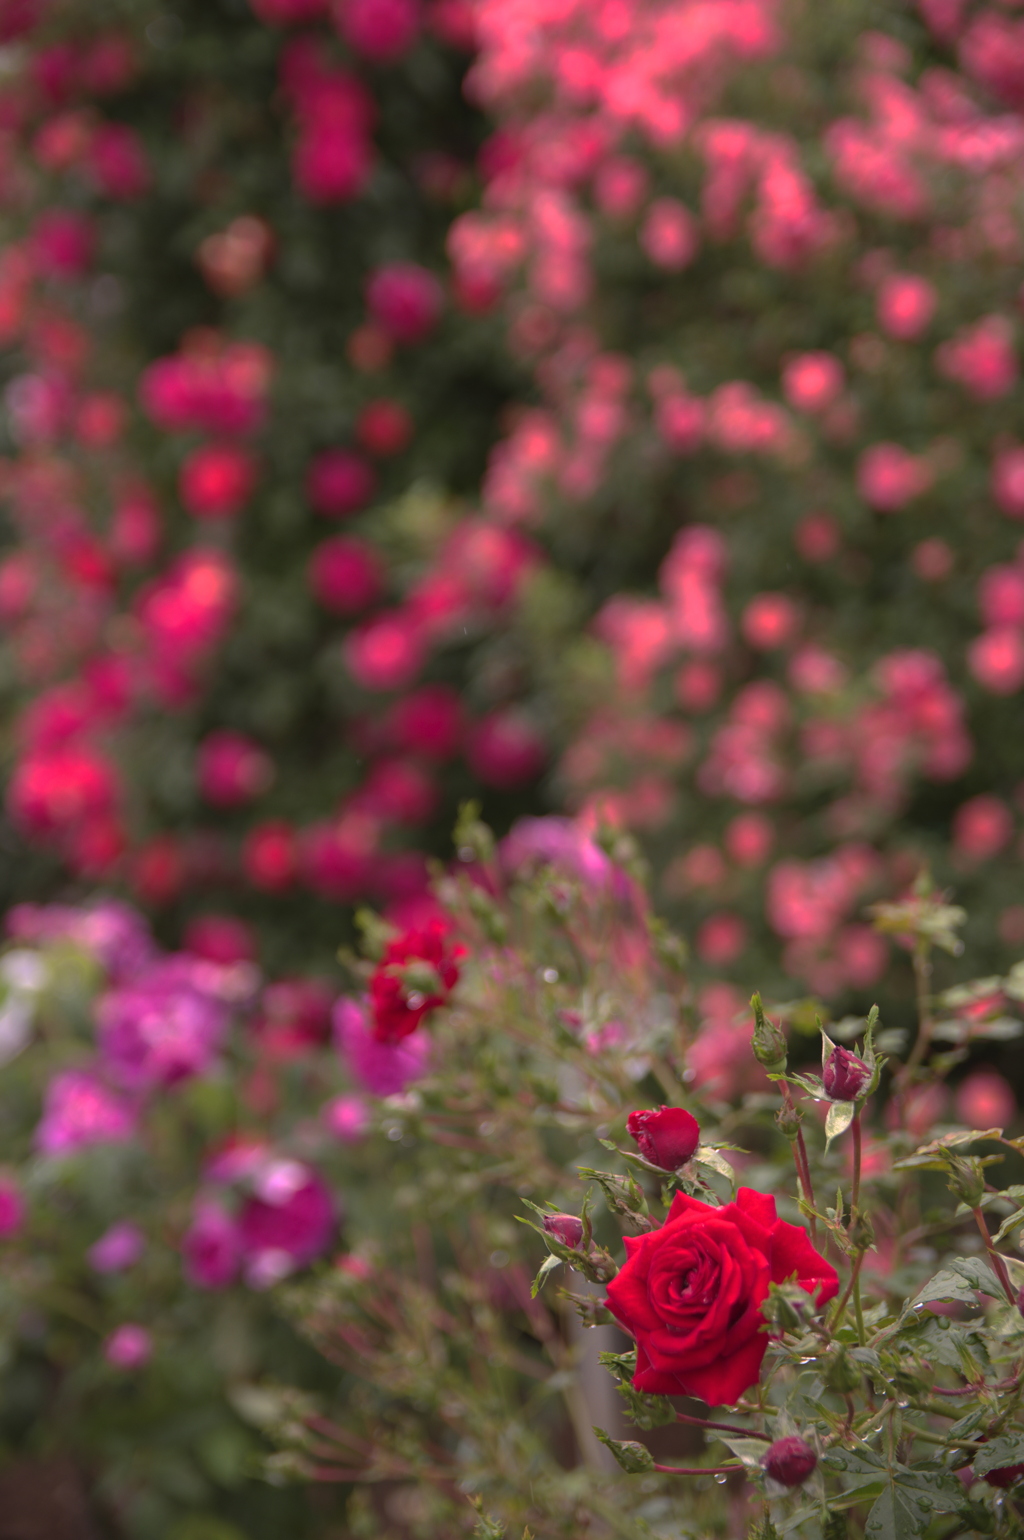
(119, 1248)
(212, 1247)
(383, 1069)
(347, 1117)
(167, 1025)
(288, 1222)
(78, 1111)
(129, 1347)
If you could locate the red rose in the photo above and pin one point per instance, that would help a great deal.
(666, 1136)
(691, 1294)
(399, 997)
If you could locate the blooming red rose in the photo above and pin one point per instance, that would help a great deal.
(416, 974)
(691, 1294)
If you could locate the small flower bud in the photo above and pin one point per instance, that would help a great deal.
(666, 1136)
(769, 1041)
(789, 1117)
(844, 1075)
(842, 1374)
(567, 1228)
(966, 1178)
(789, 1461)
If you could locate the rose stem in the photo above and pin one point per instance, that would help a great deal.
(698, 1470)
(803, 1166)
(922, 980)
(841, 1308)
(998, 1265)
(857, 1156)
(722, 1427)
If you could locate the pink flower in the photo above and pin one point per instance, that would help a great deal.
(338, 483)
(347, 1118)
(337, 860)
(889, 477)
(770, 621)
(1001, 596)
(721, 939)
(1008, 482)
(212, 1247)
(62, 788)
(985, 1099)
(346, 574)
(982, 827)
(118, 162)
(981, 358)
(405, 300)
(382, 1069)
(381, 30)
(906, 304)
(331, 161)
(63, 242)
(669, 235)
(996, 659)
(505, 750)
(128, 1347)
(386, 653)
(217, 480)
(118, 1249)
(220, 938)
(749, 839)
(80, 1111)
(231, 769)
(428, 722)
(270, 856)
(812, 381)
(12, 1208)
(680, 420)
(384, 428)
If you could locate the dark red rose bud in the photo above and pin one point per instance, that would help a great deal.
(666, 1136)
(789, 1461)
(844, 1075)
(1005, 1476)
(567, 1228)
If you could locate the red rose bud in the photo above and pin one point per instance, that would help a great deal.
(666, 1136)
(567, 1228)
(789, 1461)
(844, 1075)
(1005, 1476)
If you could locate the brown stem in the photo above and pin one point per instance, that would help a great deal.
(998, 1265)
(721, 1427)
(698, 1470)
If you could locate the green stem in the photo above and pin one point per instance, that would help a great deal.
(857, 1159)
(698, 1470)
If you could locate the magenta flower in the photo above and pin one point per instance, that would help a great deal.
(348, 1118)
(212, 1247)
(165, 1026)
(116, 935)
(79, 1110)
(383, 1069)
(12, 1208)
(128, 1347)
(117, 1249)
(288, 1222)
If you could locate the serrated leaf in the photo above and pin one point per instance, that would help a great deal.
(959, 1280)
(547, 1267)
(1008, 1449)
(840, 1116)
(898, 1514)
(749, 1450)
(708, 1156)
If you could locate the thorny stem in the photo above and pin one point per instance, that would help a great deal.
(698, 1470)
(998, 1265)
(803, 1166)
(721, 1427)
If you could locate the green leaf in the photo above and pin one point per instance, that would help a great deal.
(840, 1116)
(485, 1527)
(958, 1281)
(714, 1160)
(633, 1457)
(1007, 1450)
(750, 1450)
(547, 1267)
(899, 1514)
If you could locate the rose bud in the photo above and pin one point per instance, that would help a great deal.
(844, 1075)
(666, 1136)
(789, 1461)
(567, 1228)
(1004, 1476)
(769, 1041)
